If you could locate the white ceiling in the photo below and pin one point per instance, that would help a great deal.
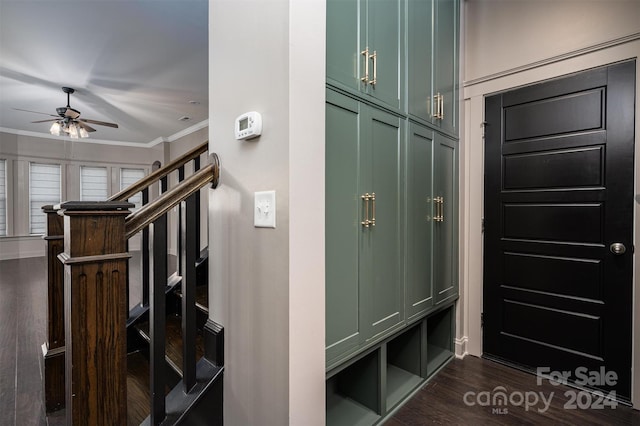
(139, 63)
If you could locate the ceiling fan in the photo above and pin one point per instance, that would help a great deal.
(68, 120)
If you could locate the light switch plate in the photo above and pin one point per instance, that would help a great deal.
(264, 209)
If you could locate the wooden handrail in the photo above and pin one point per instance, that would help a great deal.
(160, 173)
(150, 212)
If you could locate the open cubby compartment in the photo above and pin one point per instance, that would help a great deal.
(439, 339)
(405, 366)
(353, 394)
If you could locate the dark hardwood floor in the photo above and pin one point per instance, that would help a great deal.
(22, 332)
(442, 400)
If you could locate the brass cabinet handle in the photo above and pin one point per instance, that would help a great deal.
(366, 222)
(439, 106)
(369, 221)
(365, 53)
(373, 207)
(375, 68)
(439, 207)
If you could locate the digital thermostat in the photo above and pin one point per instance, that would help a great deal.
(248, 125)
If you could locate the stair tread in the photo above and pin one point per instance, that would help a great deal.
(174, 340)
(138, 392)
(202, 297)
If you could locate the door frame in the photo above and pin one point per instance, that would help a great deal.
(469, 331)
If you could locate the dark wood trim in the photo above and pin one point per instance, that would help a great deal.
(53, 378)
(214, 343)
(96, 312)
(67, 260)
(53, 347)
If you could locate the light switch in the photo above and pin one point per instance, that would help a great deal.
(264, 209)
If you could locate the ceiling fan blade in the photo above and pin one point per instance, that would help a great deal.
(44, 121)
(72, 113)
(85, 126)
(100, 123)
(35, 112)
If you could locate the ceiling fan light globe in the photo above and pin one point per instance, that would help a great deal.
(83, 133)
(73, 131)
(55, 129)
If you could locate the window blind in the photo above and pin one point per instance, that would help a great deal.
(3, 197)
(93, 184)
(44, 189)
(127, 178)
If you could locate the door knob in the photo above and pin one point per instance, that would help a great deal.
(617, 248)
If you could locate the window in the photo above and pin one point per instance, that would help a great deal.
(93, 184)
(44, 189)
(127, 178)
(3, 197)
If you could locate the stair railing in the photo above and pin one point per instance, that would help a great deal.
(91, 229)
(143, 185)
(154, 216)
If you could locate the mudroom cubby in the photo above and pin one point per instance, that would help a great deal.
(439, 339)
(368, 388)
(405, 369)
(353, 393)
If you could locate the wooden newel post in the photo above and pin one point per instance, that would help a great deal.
(95, 269)
(53, 347)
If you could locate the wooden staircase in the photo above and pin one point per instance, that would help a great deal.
(160, 362)
(139, 340)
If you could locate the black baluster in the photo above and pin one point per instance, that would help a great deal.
(157, 317)
(145, 255)
(189, 255)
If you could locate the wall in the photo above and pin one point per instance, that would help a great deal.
(19, 150)
(268, 284)
(174, 150)
(505, 34)
(516, 43)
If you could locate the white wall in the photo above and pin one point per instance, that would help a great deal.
(268, 284)
(174, 150)
(505, 34)
(516, 43)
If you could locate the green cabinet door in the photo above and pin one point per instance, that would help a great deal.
(380, 267)
(445, 247)
(364, 280)
(445, 68)
(344, 43)
(386, 52)
(419, 58)
(419, 215)
(365, 48)
(343, 326)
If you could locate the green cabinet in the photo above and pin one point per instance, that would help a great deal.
(432, 62)
(391, 201)
(445, 284)
(419, 220)
(364, 47)
(364, 291)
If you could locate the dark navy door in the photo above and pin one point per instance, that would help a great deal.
(558, 248)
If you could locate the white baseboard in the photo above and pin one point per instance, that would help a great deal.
(22, 247)
(461, 347)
